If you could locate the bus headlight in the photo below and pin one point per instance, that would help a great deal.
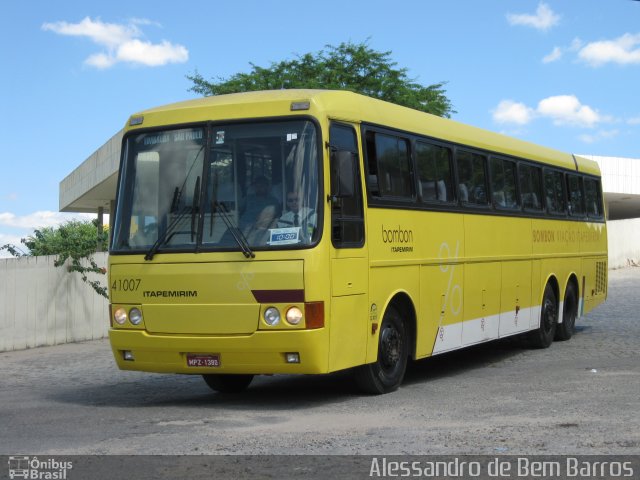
(135, 316)
(120, 316)
(294, 315)
(272, 316)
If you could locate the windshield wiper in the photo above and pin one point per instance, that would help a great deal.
(236, 233)
(195, 208)
(175, 201)
(168, 233)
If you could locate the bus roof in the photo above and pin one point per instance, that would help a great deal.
(357, 108)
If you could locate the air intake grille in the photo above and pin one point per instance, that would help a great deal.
(601, 278)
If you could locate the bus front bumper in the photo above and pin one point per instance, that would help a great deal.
(262, 352)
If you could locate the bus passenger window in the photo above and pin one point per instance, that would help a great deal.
(574, 187)
(472, 177)
(530, 186)
(503, 183)
(389, 166)
(434, 171)
(554, 192)
(593, 198)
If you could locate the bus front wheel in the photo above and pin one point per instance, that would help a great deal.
(386, 374)
(227, 383)
(543, 335)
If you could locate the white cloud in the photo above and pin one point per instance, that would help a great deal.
(100, 60)
(624, 50)
(9, 239)
(543, 19)
(556, 54)
(564, 110)
(634, 121)
(150, 54)
(40, 219)
(567, 110)
(576, 44)
(16, 227)
(512, 112)
(107, 34)
(122, 43)
(601, 135)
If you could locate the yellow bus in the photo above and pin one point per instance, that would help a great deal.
(311, 231)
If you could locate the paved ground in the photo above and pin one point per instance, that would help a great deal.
(577, 397)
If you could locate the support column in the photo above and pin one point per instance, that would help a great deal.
(100, 228)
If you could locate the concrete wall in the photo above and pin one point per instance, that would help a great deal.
(624, 242)
(41, 304)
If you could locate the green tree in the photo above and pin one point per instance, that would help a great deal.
(355, 67)
(75, 241)
(72, 238)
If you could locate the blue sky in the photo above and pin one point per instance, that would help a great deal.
(561, 73)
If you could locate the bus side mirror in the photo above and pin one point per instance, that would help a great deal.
(343, 174)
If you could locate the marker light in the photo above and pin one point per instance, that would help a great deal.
(294, 315)
(120, 316)
(136, 121)
(292, 357)
(135, 316)
(272, 316)
(300, 105)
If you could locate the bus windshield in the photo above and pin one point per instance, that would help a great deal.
(241, 186)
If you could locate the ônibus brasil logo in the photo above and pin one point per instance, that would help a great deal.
(32, 468)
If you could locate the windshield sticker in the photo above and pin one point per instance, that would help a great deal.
(178, 136)
(187, 135)
(291, 137)
(220, 138)
(157, 139)
(284, 236)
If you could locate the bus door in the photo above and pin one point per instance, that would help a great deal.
(349, 262)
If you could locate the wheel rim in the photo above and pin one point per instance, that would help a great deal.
(390, 348)
(550, 317)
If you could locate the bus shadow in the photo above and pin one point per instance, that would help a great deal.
(277, 392)
(483, 355)
(463, 361)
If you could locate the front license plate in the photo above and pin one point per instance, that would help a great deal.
(203, 360)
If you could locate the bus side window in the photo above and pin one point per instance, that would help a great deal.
(434, 172)
(530, 186)
(372, 167)
(593, 198)
(503, 183)
(472, 177)
(554, 192)
(574, 188)
(347, 214)
(389, 163)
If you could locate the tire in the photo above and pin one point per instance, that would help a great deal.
(227, 383)
(564, 330)
(542, 337)
(385, 375)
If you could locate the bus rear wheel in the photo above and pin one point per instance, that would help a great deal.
(386, 373)
(564, 330)
(542, 337)
(227, 383)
